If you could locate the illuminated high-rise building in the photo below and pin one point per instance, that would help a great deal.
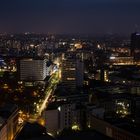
(32, 69)
(69, 72)
(135, 44)
(72, 72)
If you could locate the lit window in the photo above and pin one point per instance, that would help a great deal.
(70, 79)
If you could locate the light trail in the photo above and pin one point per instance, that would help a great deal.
(52, 86)
(54, 80)
(43, 106)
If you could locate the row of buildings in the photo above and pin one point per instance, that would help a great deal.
(72, 70)
(79, 115)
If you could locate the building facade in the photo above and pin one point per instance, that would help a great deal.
(9, 122)
(72, 72)
(60, 117)
(33, 69)
(135, 45)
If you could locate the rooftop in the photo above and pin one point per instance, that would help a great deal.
(82, 135)
(33, 131)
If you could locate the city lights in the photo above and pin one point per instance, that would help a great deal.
(70, 86)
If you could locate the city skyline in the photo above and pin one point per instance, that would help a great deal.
(81, 87)
(69, 69)
(70, 17)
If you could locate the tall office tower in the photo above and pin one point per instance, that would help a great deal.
(79, 73)
(135, 44)
(69, 72)
(72, 72)
(32, 69)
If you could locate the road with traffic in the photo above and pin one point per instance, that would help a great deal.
(53, 81)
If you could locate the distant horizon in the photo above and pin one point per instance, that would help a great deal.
(67, 34)
(70, 16)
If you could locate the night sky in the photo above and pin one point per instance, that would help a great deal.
(70, 16)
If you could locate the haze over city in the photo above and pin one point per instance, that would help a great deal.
(70, 70)
(70, 16)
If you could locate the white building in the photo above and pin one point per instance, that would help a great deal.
(32, 69)
(51, 120)
(59, 117)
